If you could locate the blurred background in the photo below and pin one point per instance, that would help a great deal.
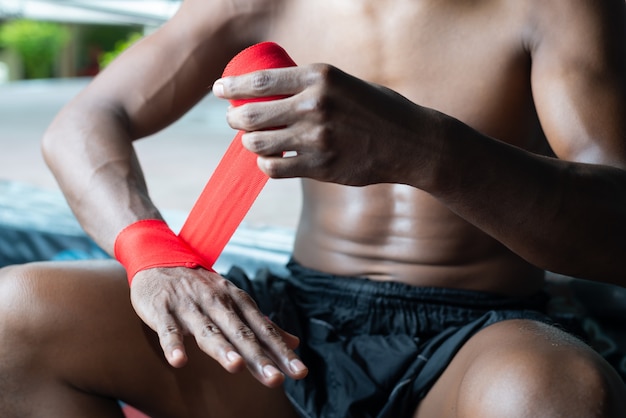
(70, 38)
(50, 50)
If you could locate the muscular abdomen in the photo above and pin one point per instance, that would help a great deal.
(399, 233)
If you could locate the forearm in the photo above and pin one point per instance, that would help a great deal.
(562, 216)
(97, 169)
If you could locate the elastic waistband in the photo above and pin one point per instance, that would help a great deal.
(343, 288)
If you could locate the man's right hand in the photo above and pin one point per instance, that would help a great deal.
(225, 321)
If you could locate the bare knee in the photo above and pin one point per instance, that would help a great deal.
(26, 317)
(23, 293)
(540, 371)
(19, 341)
(43, 303)
(46, 313)
(16, 300)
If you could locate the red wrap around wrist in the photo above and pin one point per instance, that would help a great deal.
(151, 243)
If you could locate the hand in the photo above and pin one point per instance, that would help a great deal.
(224, 320)
(335, 127)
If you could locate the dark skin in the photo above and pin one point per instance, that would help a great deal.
(488, 144)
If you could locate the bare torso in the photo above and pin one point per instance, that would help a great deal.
(431, 52)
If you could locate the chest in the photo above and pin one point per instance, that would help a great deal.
(464, 58)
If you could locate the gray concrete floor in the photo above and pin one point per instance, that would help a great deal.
(177, 161)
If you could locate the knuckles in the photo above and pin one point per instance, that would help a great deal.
(262, 82)
(245, 333)
(270, 331)
(247, 116)
(254, 143)
(272, 167)
(209, 330)
(170, 330)
(321, 74)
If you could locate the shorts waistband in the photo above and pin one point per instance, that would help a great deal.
(399, 307)
(391, 293)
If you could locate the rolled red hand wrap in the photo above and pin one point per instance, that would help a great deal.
(222, 205)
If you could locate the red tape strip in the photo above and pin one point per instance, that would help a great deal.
(237, 180)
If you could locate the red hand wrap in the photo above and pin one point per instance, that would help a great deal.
(237, 180)
(222, 205)
(151, 243)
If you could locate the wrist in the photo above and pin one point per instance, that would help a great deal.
(432, 134)
(150, 243)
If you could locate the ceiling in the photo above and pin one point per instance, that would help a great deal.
(114, 12)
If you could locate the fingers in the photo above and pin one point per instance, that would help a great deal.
(300, 151)
(171, 340)
(271, 338)
(225, 322)
(213, 342)
(260, 347)
(259, 341)
(154, 313)
(228, 327)
(275, 82)
(270, 143)
(262, 115)
(249, 344)
(313, 105)
(291, 340)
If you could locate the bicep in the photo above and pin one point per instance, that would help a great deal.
(579, 85)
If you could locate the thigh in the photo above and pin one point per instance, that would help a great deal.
(78, 319)
(522, 368)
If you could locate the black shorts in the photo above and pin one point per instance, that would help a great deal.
(374, 349)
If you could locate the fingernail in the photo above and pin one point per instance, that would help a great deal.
(232, 356)
(177, 354)
(270, 371)
(297, 366)
(218, 88)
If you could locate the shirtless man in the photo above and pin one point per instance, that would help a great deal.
(495, 150)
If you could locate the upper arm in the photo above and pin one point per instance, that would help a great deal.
(579, 79)
(159, 78)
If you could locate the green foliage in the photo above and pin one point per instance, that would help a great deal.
(37, 44)
(120, 47)
(106, 36)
